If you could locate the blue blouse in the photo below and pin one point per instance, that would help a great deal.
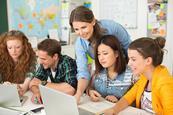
(117, 87)
(83, 48)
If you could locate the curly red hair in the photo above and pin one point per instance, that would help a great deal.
(10, 71)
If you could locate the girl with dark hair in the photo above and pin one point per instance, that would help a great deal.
(153, 91)
(112, 78)
(89, 30)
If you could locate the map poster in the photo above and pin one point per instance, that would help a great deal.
(34, 17)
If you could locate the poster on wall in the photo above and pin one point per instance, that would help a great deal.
(121, 11)
(157, 18)
(34, 17)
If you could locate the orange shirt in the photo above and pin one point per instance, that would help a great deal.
(162, 91)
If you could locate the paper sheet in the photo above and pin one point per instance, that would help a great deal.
(28, 105)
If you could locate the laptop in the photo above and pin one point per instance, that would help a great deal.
(9, 96)
(59, 103)
(5, 111)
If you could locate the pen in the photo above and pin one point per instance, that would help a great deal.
(37, 109)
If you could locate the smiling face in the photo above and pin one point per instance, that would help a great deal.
(46, 60)
(14, 48)
(84, 29)
(106, 56)
(136, 62)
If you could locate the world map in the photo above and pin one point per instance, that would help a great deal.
(34, 17)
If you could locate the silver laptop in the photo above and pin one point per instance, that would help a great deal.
(9, 96)
(58, 103)
(5, 111)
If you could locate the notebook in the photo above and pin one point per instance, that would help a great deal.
(9, 96)
(58, 103)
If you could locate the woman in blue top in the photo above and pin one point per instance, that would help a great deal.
(88, 29)
(112, 78)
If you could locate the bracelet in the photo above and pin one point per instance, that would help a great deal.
(43, 83)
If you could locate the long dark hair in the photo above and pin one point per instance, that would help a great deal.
(112, 42)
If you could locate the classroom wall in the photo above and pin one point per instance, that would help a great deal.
(3, 16)
(142, 27)
(168, 59)
(135, 33)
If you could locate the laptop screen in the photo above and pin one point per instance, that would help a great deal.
(58, 103)
(10, 96)
(4, 111)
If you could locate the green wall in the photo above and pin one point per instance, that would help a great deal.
(3, 16)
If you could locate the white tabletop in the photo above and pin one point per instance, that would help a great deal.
(98, 107)
(27, 105)
(85, 104)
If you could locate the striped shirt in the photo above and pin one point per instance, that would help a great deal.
(117, 87)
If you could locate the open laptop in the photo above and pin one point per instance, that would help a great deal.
(9, 96)
(58, 103)
(5, 111)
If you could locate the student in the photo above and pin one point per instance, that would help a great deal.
(17, 60)
(153, 91)
(112, 78)
(89, 30)
(55, 71)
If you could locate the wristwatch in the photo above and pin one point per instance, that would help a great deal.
(43, 83)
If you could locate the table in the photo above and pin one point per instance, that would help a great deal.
(28, 105)
(85, 104)
(97, 107)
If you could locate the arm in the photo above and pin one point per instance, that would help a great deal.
(126, 100)
(82, 85)
(40, 75)
(94, 95)
(90, 85)
(63, 87)
(120, 105)
(83, 74)
(33, 86)
(111, 98)
(166, 97)
(67, 71)
(24, 87)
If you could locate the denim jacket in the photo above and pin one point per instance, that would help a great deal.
(117, 87)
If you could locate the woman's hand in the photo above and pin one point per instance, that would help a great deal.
(111, 98)
(36, 98)
(110, 112)
(94, 95)
(7, 83)
(77, 96)
(22, 89)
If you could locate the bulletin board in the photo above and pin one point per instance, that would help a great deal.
(122, 11)
(157, 18)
